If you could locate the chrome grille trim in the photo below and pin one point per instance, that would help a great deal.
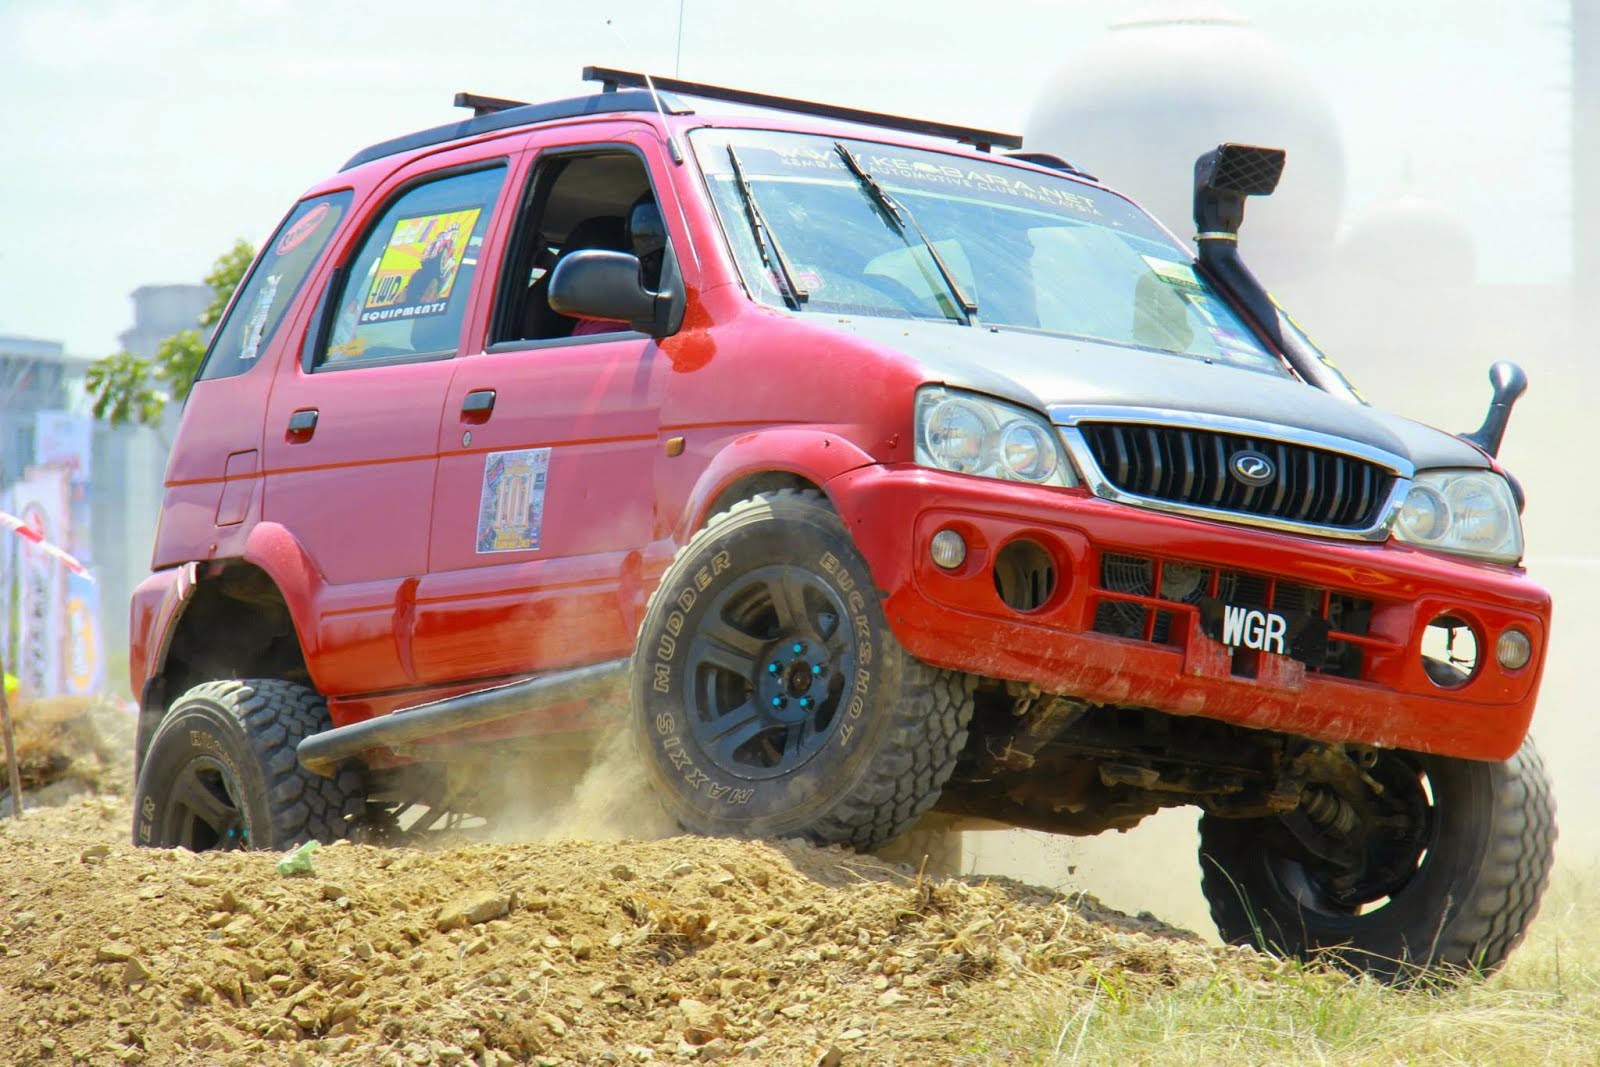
(1212, 469)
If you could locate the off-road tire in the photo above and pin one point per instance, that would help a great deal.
(1468, 905)
(860, 775)
(236, 740)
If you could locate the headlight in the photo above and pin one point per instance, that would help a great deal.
(1468, 512)
(973, 434)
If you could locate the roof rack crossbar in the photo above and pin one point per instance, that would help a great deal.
(983, 140)
(486, 105)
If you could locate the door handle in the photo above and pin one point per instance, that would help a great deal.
(303, 422)
(476, 405)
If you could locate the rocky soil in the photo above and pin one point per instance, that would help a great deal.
(675, 950)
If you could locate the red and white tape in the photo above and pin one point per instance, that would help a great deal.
(29, 534)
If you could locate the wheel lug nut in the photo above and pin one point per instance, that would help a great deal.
(772, 668)
(799, 648)
(778, 702)
(816, 668)
(805, 702)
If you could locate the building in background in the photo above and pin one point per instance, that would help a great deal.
(49, 630)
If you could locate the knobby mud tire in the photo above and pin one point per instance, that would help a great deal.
(238, 739)
(873, 767)
(1467, 907)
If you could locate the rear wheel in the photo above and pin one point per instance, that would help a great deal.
(1416, 863)
(221, 772)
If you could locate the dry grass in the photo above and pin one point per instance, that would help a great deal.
(1544, 1008)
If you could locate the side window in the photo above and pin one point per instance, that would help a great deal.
(280, 270)
(600, 200)
(405, 291)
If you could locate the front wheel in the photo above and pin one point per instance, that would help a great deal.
(1426, 863)
(770, 698)
(221, 772)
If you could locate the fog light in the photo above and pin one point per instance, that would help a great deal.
(1513, 650)
(949, 549)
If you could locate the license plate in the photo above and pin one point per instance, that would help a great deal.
(1285, 633)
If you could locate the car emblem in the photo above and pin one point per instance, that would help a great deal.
(1252, 468)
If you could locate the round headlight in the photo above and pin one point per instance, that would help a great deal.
(1027, 452)
(1424, 516)
(1479, 518)
(955, 435)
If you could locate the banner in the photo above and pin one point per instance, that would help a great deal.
(9, 547)
(85, 665)
(43, 500)
(62, 439)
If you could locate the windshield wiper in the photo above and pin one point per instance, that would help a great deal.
(899, 218)
(766, 242)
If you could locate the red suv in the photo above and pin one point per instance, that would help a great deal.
(874, 471)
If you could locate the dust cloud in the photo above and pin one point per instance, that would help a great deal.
(603, 795)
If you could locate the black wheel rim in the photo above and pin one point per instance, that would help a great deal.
(1387, 849)
(771, 669)
(203, 812)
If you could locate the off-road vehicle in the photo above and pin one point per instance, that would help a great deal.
(875, 468)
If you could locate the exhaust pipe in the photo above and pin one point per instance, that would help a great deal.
(322, 753)
(1223, 177)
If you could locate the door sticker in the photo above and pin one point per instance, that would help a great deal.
(419, 266)
(511, 508)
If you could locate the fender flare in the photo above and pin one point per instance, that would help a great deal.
(278, 553)
(818, 456)
(271, 548)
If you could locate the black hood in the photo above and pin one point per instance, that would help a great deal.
(1042, 372)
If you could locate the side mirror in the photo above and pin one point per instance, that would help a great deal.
(595, 284)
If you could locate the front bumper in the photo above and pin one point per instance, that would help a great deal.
(957, 619)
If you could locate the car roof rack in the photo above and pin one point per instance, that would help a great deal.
(490, 113)
(983, 140)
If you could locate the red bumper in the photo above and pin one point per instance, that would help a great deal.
(956, 618)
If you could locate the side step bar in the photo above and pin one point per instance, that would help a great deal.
(322, 753)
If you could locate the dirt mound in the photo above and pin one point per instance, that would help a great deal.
(69, 745)
(574, 952)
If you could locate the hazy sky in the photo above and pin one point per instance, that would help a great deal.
(139, 139)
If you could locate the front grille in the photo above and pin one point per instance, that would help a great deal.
(1132, 604)
(1185, 465)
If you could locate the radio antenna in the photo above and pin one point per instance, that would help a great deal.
(672, 141)
(677, 60)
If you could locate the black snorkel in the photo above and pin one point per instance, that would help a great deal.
(1223, 177)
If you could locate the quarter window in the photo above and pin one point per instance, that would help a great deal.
(405, 292)
(277, 277)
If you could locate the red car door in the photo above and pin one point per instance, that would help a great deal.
(544, 500)
(351, 444)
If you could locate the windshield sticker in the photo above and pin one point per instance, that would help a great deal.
(922, 173)
(511, 507)
(256, 325)
(303, 228)
(419, 266)
(1178, 275)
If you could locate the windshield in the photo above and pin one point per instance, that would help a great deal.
(1029, 250)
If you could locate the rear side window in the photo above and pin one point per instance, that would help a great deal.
(279, 272)
(405, 291)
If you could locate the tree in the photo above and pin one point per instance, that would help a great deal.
(130, 390)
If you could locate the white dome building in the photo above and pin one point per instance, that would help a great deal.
(1159, 88)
